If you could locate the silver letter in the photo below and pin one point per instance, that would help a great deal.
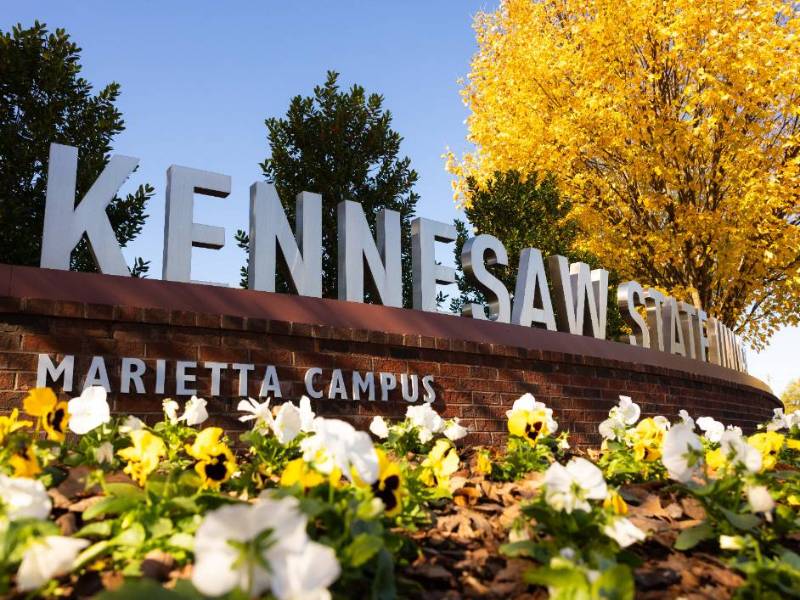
(269, 230)
(270, 383)
(215, 368)
(45, 368)
(702, 338)
(430, 393)
(337, 387)
(363, 384)
(425, 272)
(630, 295)
(97, 374)
(132, 370)
(388, 383)
(532, 291)
(309, 381)
(64, 225)
(478, 253)
(580, 293)
(243, 369)
(655, 320)
(182, 377)
(687, 314)
(180, 230)
(404, 381)
(675, 343)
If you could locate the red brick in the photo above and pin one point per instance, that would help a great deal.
(52, 343)
(128, 313)
(156, 315)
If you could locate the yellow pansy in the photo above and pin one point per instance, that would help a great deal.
(389, 485)
(793, 444)
(441, 462)
(25, 463)
(715, 459)
(143, 457)
(615, 503)
(299, 472)
(647, 439)
(483, 464)
(11, 423)
(528, 424)
(55, 422)
(215, 461)
(769, 444)
(39, 402)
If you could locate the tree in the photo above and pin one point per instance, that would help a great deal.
(43, 99)
(791, 396)
(673, 127)
(340, 145)
(523, 212)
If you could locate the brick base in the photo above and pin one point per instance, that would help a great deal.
(476, 375)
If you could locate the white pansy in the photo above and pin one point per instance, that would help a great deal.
(569, 488)
(612, 428)
(792, 419)
(257, 411)
(736, 429)
(528, 403)
(305, 575)
(379, 428)
(307, 415)
(662, 422)
(681, 450)
(170, 408)
(335, 443)
(711, 428)
(778, 421)
(760, 500)
(731, 542)
(48, 557)
(132, 423)
(104, 453)
(622, 531)
(23, 498)
(686, 418)
(89, 410)
(736, 449)
(286, 425)
(194, 411)
(426, 420)
(248, 546)
(627, 410)
(453, 430)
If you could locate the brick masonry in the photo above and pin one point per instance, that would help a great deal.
(479, 368)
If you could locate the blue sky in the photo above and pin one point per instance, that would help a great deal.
(199, 78)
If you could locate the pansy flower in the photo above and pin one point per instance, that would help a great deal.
(24, 461)
(530, 425)
(143, 456)
(769, 444)
(11, 423)
(299, 472)
(389, 485)
(53, 415)
(648, 438)
(441, 462)
(215, 461)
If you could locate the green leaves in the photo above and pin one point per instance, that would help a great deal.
(689, 538)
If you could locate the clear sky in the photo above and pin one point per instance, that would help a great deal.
(199, 78)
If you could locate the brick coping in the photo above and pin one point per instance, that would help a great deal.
(31, 290)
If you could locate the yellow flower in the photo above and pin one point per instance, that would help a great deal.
(55, 422)
(615, 503)
(389, 485)
(39, 402)
(25, 463)
(11, 423)
(793, 444)
(648, 437)
(441, 462)
(483, 464)
(299, 472)
(143, 457)
(715, 459)
(215, 461)
(528, 424)
(769, 444)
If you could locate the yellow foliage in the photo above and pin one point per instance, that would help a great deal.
(673, 126)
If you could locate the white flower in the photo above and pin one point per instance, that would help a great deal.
(613, 428)
(681, 450)
(662, 422)
(760, 500)
(249, 546)
(170, 408)
(778, 421)
(89, 410)
(132, 423)
(258, 412)
(336, 443)
(731, 542)
(426, 420)
(379, 428)
(529, 403)
(736, 448)
(24, 498)
(46, 558)
(306, 415)
(712, 428)
(627, 410)
(686, 418)
(736, 429)
(568, 488)
(453, 430)
(286, 425)
(104, 453)
(305, 575)
(194, 411)
(622, 531)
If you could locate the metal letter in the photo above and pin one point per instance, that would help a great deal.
(687, 314)
(388, 382)
(45, 368)
(426, 274)
(364, 384)
(132, 370)
(580, 293)
(64, 224)
(357, 249)
(270, 383)
(404, 384)
(269, 231)
(182, 377)
(702, 338)
(243, 369)
(479, 252)
(532, 302)
(675, 343)
(97, 374)
(308, 379)
(161, 375)
(655, 319)
(216, 369)
(337, 386)
(715, 342)
(630, 295)
(180, 230)
(430, 392)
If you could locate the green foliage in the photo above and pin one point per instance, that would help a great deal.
(44, 99)
(521, 458)
(340, 145)
(523, 214)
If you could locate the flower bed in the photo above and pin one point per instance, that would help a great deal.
(305, 507)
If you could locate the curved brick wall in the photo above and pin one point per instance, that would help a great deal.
(479, 368)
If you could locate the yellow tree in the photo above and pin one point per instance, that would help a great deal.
(672, 126)
(791, 396)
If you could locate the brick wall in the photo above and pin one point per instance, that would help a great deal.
(474, 380)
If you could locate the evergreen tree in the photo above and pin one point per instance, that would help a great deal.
(340, 145)
(524, 214)
(43, 99)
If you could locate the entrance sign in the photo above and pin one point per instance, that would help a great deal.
(580, 294)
